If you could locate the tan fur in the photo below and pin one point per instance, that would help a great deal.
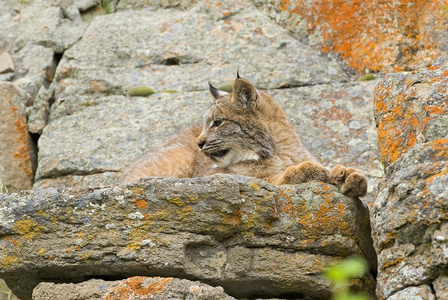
(243, 133)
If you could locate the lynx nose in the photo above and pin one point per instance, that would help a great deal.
(201, 144)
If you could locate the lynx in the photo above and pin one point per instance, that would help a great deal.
(243, 132)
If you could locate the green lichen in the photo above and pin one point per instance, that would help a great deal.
(141, 91)
(170, 91)
(367, 77)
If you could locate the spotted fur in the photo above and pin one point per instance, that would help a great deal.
(244, 132)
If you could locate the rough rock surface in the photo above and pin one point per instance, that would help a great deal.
(251, 238)
(89, 140)
(409, 216)
(165, 57)
(16, 148)
(138, 287)
(368, 35)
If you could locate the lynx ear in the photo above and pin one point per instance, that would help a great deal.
(245, 94)
(215, 92)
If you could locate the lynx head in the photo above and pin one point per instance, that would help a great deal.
(235, 126)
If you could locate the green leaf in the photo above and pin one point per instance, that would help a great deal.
(351, 267)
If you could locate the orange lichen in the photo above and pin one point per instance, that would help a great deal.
(140, 203)
(393, 263)
(187, 212)
(234, 218)
(333, 113)
(431, 179)
(328, 216)
(441, 145)
(134, 288)
(403, 118)
(22, 154)
(374, 35)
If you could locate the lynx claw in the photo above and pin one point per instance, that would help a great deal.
(351, 181)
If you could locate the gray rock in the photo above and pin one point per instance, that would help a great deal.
(410, 231)
(422, 292)
(40, 110)
(245, 235)
(36, 63)
(155, 4)
(108, 133)
(114, 61)
(50, 27)
(441, 287)
(17, 154)
(89, 135)
(139, 287)
(6, 64)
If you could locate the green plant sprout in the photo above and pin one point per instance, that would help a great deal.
(342, 273)
(106, 6)
(3, 188)
(5, 290)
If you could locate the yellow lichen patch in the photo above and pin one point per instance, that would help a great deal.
(28, 228)
(133, 246)
(192, 198)
(41, 252)
(8, 261)
(255, 186)
(381, 36)
(137, 190)
(133, 288)
(177, 201)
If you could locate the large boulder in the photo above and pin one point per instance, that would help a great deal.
(249, 237)
(409, 216)
(170, 49)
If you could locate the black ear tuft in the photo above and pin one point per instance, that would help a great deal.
(215, 92)
(237, 74)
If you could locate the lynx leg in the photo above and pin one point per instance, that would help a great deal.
(303, 172)
(351, 181)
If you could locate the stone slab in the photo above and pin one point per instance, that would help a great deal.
(245, 235)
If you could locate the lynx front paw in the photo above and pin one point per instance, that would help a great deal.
(304, 172)
(351, 181)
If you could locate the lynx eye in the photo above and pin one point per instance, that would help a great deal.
(217, 123)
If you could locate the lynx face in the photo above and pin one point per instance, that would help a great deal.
(232, 129)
